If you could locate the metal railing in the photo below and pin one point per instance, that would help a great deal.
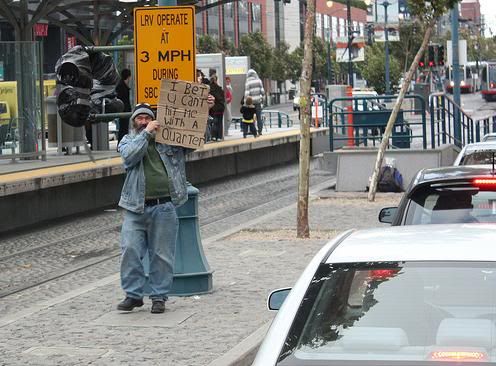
(270, 116)
(361, 120)
(444, 112)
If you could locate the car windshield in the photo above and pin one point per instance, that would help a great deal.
(478, 157)
(395, 313)
(3, 108)
(451, 205)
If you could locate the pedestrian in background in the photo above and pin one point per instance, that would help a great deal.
(217, 111)
(254, 89)
(122, 90)
(248, 111)
(155, 185)
(228, 94)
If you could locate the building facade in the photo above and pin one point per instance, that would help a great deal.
(279, 21)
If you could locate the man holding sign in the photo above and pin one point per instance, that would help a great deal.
(155, 185)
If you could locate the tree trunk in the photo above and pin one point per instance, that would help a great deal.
(302, 227)
(394, 113)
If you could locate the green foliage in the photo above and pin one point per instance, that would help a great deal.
(429, 10)
(125, 40)
(478, 47)
(319, 59)
(294, 64)
(411, 35)
(280, 62)
(227, 46)
(373, 69)
(256, 46)
(207, 44)
(295, 60)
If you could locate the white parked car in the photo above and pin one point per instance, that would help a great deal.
(489, 137)
(409, 295)
(477, 153)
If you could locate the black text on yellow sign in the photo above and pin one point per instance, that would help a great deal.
(164, 48)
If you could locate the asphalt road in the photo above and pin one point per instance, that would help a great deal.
(476, 107)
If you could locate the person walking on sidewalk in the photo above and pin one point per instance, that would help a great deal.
(228, 93)
(155, 185)
(217, 111)
(254, 89)
(249, 116)
(122, 90)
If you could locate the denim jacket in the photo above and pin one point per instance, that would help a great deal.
(133, 149)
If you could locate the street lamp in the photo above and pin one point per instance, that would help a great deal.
(386, 33)
(329, 4)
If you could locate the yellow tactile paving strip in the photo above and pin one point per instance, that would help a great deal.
(59, 170)
(110, 162)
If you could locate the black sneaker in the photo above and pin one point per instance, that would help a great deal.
(129, 304)
(158, 306)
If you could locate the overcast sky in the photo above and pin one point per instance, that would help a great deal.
(488, 9)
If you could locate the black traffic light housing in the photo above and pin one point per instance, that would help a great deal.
(85, 79)
(440, 55)
(431, 56)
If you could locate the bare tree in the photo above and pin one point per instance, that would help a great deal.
(428, 12)
(302, 226)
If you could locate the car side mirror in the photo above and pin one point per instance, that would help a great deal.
(387, 214)
(277, 297)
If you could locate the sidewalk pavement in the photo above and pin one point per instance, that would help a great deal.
(82, 327)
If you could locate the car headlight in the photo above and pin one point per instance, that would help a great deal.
(452, 83)
(462, 83)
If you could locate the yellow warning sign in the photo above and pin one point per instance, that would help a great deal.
(164, 48)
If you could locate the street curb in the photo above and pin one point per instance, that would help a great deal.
(243, 354)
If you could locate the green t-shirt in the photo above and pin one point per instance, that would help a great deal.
(156, 179)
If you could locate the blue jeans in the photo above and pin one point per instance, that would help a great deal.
(258, 112)
(153, 232)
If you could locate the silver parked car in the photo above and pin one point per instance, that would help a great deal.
(478, 153)
(410, 295)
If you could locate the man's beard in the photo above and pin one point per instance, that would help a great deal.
(139, 127)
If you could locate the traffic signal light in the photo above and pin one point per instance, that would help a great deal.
(431, 57)
(440, 55)
(79, 95)
(422, 63)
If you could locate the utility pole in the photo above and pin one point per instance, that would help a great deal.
(386, 33)
(457, 129)
(350, 42)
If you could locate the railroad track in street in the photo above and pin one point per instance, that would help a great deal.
(38, 264)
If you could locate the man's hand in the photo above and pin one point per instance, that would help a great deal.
(210, 101)
(152, 126)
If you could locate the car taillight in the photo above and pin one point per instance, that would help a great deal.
(492, 85)
(461, 356)
(382, 274)
(484, 182)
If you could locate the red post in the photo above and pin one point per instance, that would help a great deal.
(349, 93)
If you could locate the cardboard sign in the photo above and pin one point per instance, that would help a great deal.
(182, 113)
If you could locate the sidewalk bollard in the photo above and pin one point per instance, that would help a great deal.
(192, 274)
